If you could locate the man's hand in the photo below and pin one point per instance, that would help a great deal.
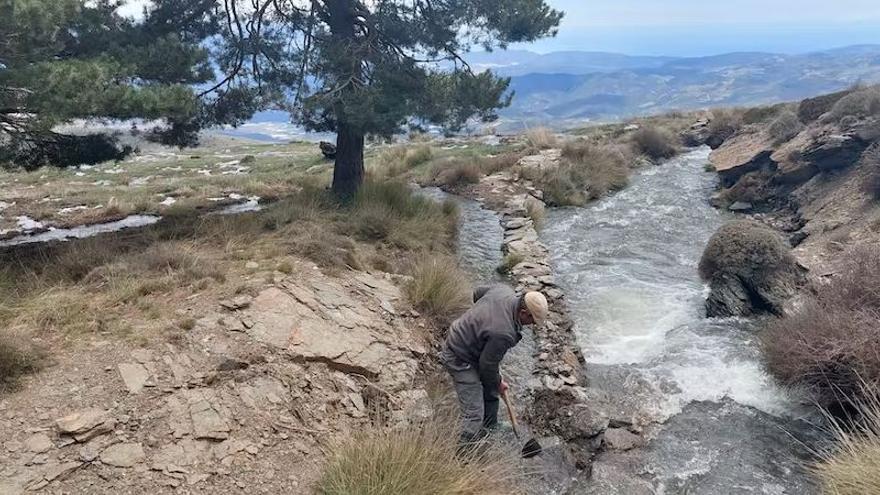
(503, 386)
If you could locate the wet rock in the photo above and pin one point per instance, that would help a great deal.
(134, 375)
(38, 443)
(740, 207)
(123, 455)
(561, 412)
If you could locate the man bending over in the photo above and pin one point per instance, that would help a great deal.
(476, 344)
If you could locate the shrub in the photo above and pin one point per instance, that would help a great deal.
(494, 164)
(655, 143)
(417, 156)
(509, 262)
(439, 288)
(419, 458)
(858, 104)
(722, 126)
(541, 138)
(784, 127)
(457, 171)
(586, 172)
(829, 344)
(759, 115)
(852, 466)
(536, 211)
(871, 163)
(753, 187)
(811, 109)
(17, 359)
(745, 249)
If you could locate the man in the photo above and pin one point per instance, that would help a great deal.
(476, 344)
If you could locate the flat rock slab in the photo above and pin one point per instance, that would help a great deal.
(38, 443)
(135, 376)
(123, 455)
(81, 421)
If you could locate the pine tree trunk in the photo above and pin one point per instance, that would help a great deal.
(348, 172)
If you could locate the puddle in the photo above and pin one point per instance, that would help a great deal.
(82, 231)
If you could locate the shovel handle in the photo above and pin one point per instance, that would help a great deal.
(510, 413)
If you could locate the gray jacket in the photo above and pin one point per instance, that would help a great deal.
(482, 336)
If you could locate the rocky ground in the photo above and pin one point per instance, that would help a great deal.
(245, 402)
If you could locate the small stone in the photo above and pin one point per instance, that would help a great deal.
(38, 443)
(252, 265)
(414, 313)
(740, 206)
(238, 302)
(123, 455)
(622, 439)
(386, 305)
(88, 453)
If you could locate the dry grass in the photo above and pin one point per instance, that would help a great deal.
(871, 163)
(852, 466)
(656, 143)
(587, 172)
(420, 458)
(723, 124)
(829, 345)
(541, 138)
(18, 358)
(457, 171)
(858, 104)
(439, 288)
(417, 156)
(784, 127)
(537, 212)
(509, 262)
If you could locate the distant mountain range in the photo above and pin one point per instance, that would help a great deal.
(562, 88)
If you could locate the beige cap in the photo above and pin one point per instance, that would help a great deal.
(536, 303)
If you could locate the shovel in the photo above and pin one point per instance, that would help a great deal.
(532, 447)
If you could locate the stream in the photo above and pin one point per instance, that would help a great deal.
(628, 264)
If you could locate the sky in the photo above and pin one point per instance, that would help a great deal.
(706, 27)
(703, 27)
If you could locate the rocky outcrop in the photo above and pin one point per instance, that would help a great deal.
(750, 271)
(745, 152)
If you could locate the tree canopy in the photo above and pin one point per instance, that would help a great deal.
(67, 59)
(372, 67)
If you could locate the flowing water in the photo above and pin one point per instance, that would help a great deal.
(628, 265)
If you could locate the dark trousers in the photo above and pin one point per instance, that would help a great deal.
(479, 404)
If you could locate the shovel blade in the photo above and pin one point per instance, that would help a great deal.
(531, 449)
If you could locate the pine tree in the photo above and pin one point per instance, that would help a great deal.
(62, 60)
(362, 68)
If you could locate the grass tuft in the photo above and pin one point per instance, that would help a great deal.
(586, 172)
(419, 458)
(852, 467)
(17, 359)
(541, 138)
(784, 127)
(439, 288)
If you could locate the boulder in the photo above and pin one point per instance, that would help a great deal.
(743, 153)
(328, 150)
(834, 152)
(81, 421)
(750, 270)
(792, 168)
(622, 439)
